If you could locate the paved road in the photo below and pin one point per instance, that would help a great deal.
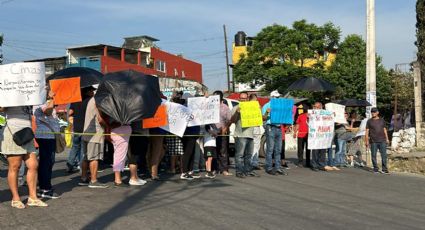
(350, 199)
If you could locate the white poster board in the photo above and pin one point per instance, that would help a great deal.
(22, 84)
(178, 117)
(339, 112)
(206, 110)
(320, 129)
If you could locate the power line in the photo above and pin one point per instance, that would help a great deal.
(188, 41)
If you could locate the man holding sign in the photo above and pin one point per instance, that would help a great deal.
(244, 142)
(274, 139)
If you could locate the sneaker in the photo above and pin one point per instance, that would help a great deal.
(281, 172)
(253, 174)
(186, 176)
(285, 166)
(257, 167)
(240, 175)
(375, 170)
(210, 175)
(137, 182)
(196, 175)
(97, 184)
(385, 172)
(49, 194)
(84, 182)
(271, 172)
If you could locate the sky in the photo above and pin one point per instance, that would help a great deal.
(194, 28)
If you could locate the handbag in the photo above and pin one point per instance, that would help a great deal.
(23, 136)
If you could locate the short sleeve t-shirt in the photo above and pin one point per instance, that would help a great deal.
(302, 125)
(92, 125)
(376, 130)
(79, 109)
(264, 110)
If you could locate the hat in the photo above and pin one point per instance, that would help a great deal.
(274, 93)
(374, 110)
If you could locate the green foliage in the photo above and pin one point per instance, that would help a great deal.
(278, 54)
(348, 73)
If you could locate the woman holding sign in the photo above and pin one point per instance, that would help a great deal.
(18, 122)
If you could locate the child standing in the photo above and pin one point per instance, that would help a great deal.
(210, 151)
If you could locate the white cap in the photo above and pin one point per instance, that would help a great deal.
(275, 93)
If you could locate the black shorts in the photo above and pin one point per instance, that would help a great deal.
(210, 152)
(138, 146)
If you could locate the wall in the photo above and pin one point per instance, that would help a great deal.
(175, 64)
(113, 65)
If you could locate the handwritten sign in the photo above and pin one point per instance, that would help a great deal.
(250, 114)
(66, 90)
(339, 112)
(205, 110)
(178, 118)
(22, 84)
(159, 119)
(281, 111)
(320, 129)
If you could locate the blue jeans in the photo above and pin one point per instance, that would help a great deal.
(243, 152)
(75, 155)
(382, 147)
(330, 160)
(274, 146)
(318, 158)
(341, 150)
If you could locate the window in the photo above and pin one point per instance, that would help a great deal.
(160, 66)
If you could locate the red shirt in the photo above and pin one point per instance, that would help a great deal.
(283, 128)
(302, 125)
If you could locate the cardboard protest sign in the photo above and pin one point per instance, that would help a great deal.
(67, 90)
(159, 119)
(251, 114)
(281, 111)
(22, 84)
(2, 121)
(338, 111)
(320, 129)
(206, 110)
(178, 117)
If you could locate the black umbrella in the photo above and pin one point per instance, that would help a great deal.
(354, 103)
(311, 84)
(127, 96)
(88, 76)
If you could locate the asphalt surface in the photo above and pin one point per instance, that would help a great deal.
(350, 199)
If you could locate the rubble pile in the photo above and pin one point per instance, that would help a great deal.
(404, 140)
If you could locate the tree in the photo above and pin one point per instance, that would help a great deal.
(348, 73)
(278, 54)
(420, 42)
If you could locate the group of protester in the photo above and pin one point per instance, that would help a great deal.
(142, 150)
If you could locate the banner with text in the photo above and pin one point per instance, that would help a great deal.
(205, 110)
(251, 114)
(320, 129)
(339, 112)
(178, 117)
(66, 90)
(281, 111)
(22, 84)
(159, 119)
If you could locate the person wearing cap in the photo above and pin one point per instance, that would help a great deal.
(273, 139)
(377, 138)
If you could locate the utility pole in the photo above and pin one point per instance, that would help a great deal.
(370, 55)
(418, 103)
(227, 59)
